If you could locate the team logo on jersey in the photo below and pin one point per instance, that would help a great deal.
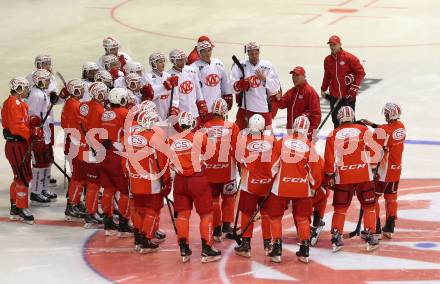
(108, 115)
(212, 80)
(296, 145)
(254, 81)
(347, 133)
(259, 146)
(399, 134)
(217, 132)
(181, 145)
(186, 87)
(342, 63)
(137, 141)
(84, 110)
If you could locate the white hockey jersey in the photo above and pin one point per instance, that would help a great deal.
(86, 96)
(213, 80)
(162, 96)
(101, 64)
(257, 95)
(189, 89)
(39, 103)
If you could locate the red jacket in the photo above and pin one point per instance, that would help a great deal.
(336, 67)
(301, 100)
(15, 117)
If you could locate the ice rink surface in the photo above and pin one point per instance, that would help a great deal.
(396, 41)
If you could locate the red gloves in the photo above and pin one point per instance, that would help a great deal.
(203, 109)
(147, 92)
(52, 134)
(122, 60)
(229, 100)
(37, 136)
(114, 71)
(64, 94)
(166, 187)
(352, 92)
(35, 121)
(37, 133)
(241, 85)
(329, 181)
(174, 111)
(349, 79)
(171, 82)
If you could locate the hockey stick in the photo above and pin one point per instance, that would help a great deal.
(328, 114)
(62, 171)
(356, 231)
(83, 130)
(238, 238)
(242, 94)
(162, 184)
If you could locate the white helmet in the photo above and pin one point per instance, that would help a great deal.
(42, 58)
(154, 57)
(147, 119)
(109, 60)
(148, 105)
(131, 98)
(257, 123)
(90, 66)
(133, 81)
(392, 111)
(105, 77)
(39, 77)
(201, 45)
(345, 114)
(133, 67)
(252, 46)
(187, 119)
(110, 42)
(19, 84)
(75, 87)
(301, 124)
(98, 91)
(176, 54)
(118, 96)
(220, 107)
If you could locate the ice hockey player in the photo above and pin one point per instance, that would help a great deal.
(348, 171)
(302, 99)
(70, 124)
(105, 77)
(189, 91)
(221, 168)
(113, 66)
(150, 178)
(163, 86)
(319, 204)
(259, 84)
(19, 136)
(391, 136)
(194, 55)
(212, 76)
(89, 70)
(111, 172)
(44, 61)
(191, 187)
(131, 67)
(343, 75)
(298, 176)
(256, 159)
(111, 46)
(39, 102)
(89, 118)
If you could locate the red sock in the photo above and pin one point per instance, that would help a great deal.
(265, 227)
(391, 205)
(137, 217)
(216, 211)
(92, 198)
(107, 201)
(276, 227)
(148, 223)
(338, 219)
(157, 222)
(12, 192)
(377, 209)
(206, 228)
(74, 192)
(244, 221)
(124, 207)
(369, 217)
(182, 224)
(303, 227)
(228, 208)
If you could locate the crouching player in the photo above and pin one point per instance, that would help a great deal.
(298, 175)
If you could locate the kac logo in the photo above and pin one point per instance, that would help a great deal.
(212, 80)
(186, 87)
